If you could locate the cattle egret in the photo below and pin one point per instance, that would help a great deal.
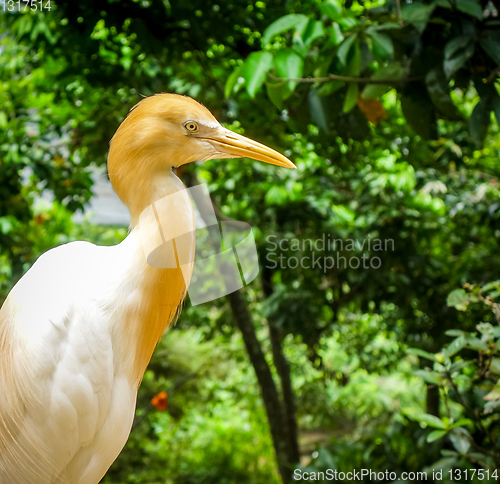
(78, 330)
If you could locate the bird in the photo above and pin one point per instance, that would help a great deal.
(79, 328)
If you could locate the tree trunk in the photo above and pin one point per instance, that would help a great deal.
(281, 417)
(283, 369)
(269, 392)
(289, 420)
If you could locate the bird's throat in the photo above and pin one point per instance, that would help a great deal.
(152, 298)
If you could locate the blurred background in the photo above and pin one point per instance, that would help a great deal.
(387, 359)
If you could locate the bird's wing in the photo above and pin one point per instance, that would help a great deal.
(56, 373)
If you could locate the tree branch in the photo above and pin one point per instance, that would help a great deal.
(268, 388)
(283, 368)
(493, 74)
(335, 77)
(269, 392)
(400, 16)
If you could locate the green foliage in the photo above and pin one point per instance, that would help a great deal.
(364, 343)
(466, 437)
(332, 41)
(214, 431)
(467, 373)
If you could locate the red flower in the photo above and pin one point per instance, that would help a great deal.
(160, 401)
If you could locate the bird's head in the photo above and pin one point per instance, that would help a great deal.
(168, 130)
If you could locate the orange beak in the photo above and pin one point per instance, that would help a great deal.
(237, 146)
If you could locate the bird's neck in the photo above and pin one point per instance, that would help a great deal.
(146, 190)
(151, 297)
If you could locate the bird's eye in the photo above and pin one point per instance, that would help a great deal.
(191, 126)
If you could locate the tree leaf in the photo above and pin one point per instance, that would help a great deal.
(382, 45)
(330, 87)
(256, 67)
(354, 63)
(429, 420)
(492, 48)
(417, 14)
(281, 25)
(429, 376)
(419, 111)
(454, 332)
(435, 435)
(471, 7)
(335, 35)
(461, 423)
(455, 346)
(456, 44)
(289, 64)
(491, 285)
(366, 54)
(373, 109)
(458, 299)
(332, 9)
(486, 329)
(456, 52)
(23, 24)
(452, 65)
(345, 47)
(318, 111)
(437, 87)
(350, 97)
(277, 92)
(314, 30)
(392, 71)
(372, 91)
(421, 353)
(459, 440)
(479, 122)
(384, 26)
(232, 80)
(491, 406)
(477, 344)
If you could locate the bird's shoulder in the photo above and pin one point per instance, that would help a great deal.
(55, 267)
(63, 258)
(57, 374)
(52, 293)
